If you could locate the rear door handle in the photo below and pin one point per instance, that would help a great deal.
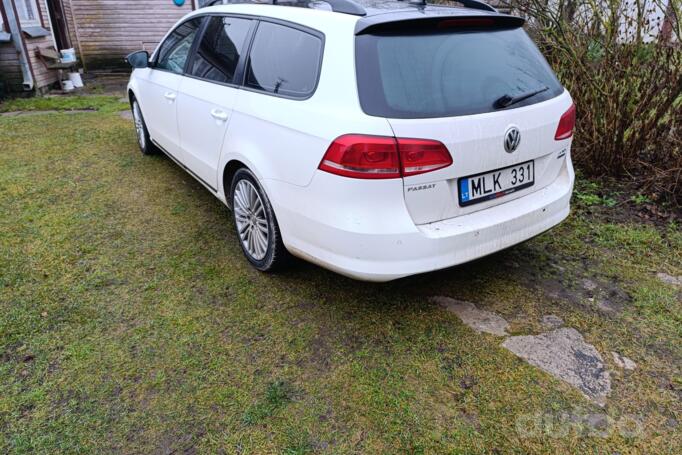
(219, 115)
(170, 96)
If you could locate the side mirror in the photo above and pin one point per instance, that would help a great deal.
(139, 59)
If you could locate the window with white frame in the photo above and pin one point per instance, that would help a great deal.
(28, 12)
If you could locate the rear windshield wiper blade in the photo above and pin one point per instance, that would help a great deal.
(508, 100)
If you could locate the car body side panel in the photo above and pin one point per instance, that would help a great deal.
(157, 93)
(286, 138)
(204, 111)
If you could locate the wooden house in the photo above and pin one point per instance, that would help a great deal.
(101, 31)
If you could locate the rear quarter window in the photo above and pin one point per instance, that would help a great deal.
(443, 74)
(284, 61)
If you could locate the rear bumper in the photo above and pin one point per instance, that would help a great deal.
(379, 241)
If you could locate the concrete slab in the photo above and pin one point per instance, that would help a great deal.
(479, 320)
(564, 354)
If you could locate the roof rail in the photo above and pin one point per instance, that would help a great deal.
(338, 6)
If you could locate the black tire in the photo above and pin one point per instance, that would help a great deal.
(145, 143)
(267, 256)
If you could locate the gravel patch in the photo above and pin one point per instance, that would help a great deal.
(481, 321)
(551, 322)
(128, 115)
(623, 362)
(608, 307)
(589, 284)
(564, 354)
(669, 279)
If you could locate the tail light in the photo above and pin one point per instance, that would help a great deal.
(566, 124)
(418, 156)
(362, 157)
(382, 157)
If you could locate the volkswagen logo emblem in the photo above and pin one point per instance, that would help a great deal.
(512, 139)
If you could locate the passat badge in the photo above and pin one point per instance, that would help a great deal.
(512, 139)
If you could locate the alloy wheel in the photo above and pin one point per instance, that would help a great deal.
(139, 125)
(251, 219)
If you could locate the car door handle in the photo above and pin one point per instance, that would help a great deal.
(219, 115)
(170, 96)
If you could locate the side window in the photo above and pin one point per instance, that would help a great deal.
(174, 51)
(284, 61)
(218, 53)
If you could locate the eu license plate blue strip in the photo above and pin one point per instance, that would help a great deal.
(464, 189)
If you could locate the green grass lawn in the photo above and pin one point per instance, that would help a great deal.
(73, 103)
(130, 322)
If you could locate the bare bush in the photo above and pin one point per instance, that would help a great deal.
(622, 62)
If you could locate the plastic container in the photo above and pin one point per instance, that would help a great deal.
(68, 55)
(68, 86)
(76, 79)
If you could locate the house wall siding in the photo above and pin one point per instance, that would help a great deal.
(10, 70)
(108, 30)
(42, 76)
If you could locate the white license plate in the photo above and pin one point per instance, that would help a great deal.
(495, 184)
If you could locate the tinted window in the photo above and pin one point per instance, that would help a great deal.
(284, 60)
(174, 51)
(222, 44)
(447, 74)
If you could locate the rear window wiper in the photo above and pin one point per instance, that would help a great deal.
(508, 100)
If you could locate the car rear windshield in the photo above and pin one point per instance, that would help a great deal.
(437, 74)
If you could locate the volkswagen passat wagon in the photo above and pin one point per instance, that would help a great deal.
(376, 140)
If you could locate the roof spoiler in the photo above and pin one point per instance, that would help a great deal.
(415, 22)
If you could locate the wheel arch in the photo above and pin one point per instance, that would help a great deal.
(234, 163)
(229, 171)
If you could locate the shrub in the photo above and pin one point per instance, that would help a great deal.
(626, 80)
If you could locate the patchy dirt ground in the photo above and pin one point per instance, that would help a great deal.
(129, 322)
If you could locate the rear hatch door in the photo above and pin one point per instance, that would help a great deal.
(483, 89)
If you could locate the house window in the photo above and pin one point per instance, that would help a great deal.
(28, 12)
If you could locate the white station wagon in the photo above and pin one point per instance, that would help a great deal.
(378, 139)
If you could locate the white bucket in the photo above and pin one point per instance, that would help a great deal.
(68, 86)
(68, 55)
(76, 79)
